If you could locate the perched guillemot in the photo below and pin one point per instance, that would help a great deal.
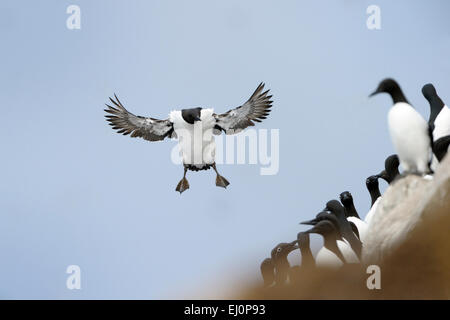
(409, 131)
(279, 257)
(352, 215)
(338, 210)
(268, 272)
(329, 255)
(194, 129)
(390, 172)
(372, 186)
(348, 253)
(375, 196)
(439, 121)
(439, 113)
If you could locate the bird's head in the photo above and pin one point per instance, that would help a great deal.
(191, 115)
(283, 249)
(346, 198)
(429, 91)
(386, 86)
(372, 182)
(324, 228)
(303, 239)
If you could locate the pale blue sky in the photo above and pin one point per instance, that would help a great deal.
(74, 192)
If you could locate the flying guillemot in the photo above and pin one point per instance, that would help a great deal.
(194, 128)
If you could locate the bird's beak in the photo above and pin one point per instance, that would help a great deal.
(374, 93)
(310, 222)
(312, 230)
(293, 245)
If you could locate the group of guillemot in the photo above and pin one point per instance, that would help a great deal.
(194, 128)
(420, 146)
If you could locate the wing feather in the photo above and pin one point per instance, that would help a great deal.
(127, 123)
(256, 109)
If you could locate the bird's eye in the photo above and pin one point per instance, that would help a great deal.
(279, 249)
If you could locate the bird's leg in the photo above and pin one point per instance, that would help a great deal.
(183, 184)
(220, 181)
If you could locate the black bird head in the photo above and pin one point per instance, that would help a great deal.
(324, 228)
(282, 250)
(320, 216)
(391, 166)
(372, 182)
(191, 115)
(429, 91)
(390, 171)
(436, 103)
(303, 239)
(346, 198)
(391, 87)
(335, 207)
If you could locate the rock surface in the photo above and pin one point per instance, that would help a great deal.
(395, 217)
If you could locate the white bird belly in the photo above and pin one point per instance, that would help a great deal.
(369, 215)
(409, 134)
(360, 225)
(347, 251)
(327, 259)
(196, 141)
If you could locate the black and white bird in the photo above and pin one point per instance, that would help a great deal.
(439, 121)
(352, 215)
(439, 113)
(390, 172)
(375, 197)
(334, 207)
(340, 225)
(329, 255)
(279, 256)
(410, 133)
(194, 128)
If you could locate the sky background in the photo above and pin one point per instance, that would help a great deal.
(72, 191)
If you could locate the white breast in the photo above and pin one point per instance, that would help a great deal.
(347, 251)
(196, 141)
(369, 215)
(442, 124)
(327, 259)
(360, 225)
(409, 134)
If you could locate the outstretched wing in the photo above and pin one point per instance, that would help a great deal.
(127, 123)
(255, 109)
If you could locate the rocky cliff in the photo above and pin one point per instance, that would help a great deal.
(408, 238)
